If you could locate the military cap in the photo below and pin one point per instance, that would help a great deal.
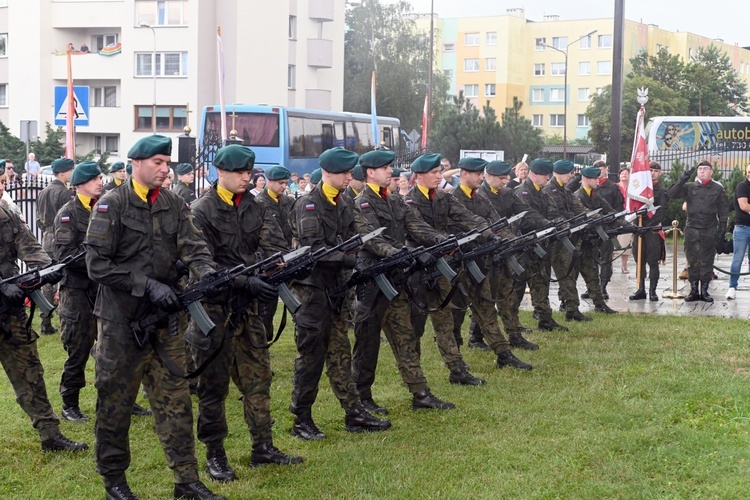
(278, 173)
(316, 176)
(563, 167)
(234, 158)
(151, 146)
(397, 172)
(183, 168)
(84, 172)
(654, 165)
(129, 168)
(357, 174)
(542, 166)
(338, 160)
(425, 163)
(591, 172)
(472, 164)
(116, 166)
(377, 158)
(62, 165)
(498, 167)
(2, 167)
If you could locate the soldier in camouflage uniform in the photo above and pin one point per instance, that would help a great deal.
(653, 243)
(321, 332)
(355, 185)
(119, 176)
(50, 200)
(611, 193)
(235, 227)
(18, 349)
(135, 235)
(378, 208)
(707, 213)
(183, 185)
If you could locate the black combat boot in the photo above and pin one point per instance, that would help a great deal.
(603, 287)
(478, 343)
(74, 414)
(705, 297)
(693, 296)
(266, 453)
(358, 420)
(194, 491)
(585, 295)
(61, 443)
(576, 316)
(140, 411)
(604, 308)
(424, 400)
(372, 407)
(551, 325)
(652, 290)
(47, 328)
(507, 358)
(305, 428)
(639, 294)
(461, 376)
(120, 492)
(218, 466)
(518, 340)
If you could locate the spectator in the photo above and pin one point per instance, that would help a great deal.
(624, 239)
(522, 172)
(293, 187)
(403, 183)
(12, 176)
(302, 188)
(32, 167)
(168, 180)
(446, 183)
(741, 233)
(259, 181)
(84, 48)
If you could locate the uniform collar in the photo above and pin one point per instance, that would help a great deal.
(272, 195)
(588, 191)
(330, 193)
(86, 201)
(118, 182)
(425, 191)
(470, 193)
(140, 191)
(225, 195)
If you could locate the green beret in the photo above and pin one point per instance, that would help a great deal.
(397, 172)
(151, 146)
(472, 164)
(116, 166)
(84, 172)
(377, 158)
(542, 166)
(563, 166)
(62, 165)
(425, 163)
(654, 165)
(591, 172)
(183, 168)
(498, 167)
(357, 174)
(234, 158)
(338, 160)
(129, 168)
(316, 176)
(278, 173)
(2, 167)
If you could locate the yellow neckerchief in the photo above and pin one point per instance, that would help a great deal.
(329, 192)
(492, 190)
(587, 190)
(538, 188)
(467, 190)
(559, 183)
(375, 188)
(274, 196)
(425, 191)
(140, 191)
(225, 195)
(354, 191)
(118, 182)
(85, 201)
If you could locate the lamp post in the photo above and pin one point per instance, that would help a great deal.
(153, 71)
(565, 88)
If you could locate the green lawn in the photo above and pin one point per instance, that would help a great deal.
(624, 406)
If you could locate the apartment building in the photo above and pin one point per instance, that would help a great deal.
(285, 52)
(501, 57)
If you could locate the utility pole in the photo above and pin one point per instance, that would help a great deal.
(615, 141)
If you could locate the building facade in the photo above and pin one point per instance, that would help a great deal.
(285, 52)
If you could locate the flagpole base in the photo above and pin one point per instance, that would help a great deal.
(673, 295)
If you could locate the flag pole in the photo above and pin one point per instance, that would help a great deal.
(220, 60)
(70, 130)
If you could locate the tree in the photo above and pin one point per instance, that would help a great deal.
(52, 147)
(12, 149)
(518, 136)
(93, 155)
(669, 70)
(713, 86)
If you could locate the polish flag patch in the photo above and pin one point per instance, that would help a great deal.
(364, 205)
(102, 208)
(64, 218)
(310, 206)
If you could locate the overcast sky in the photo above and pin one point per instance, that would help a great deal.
(713, 20)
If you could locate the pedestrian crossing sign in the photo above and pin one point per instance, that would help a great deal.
(81, 97)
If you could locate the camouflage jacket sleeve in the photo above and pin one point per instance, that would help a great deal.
(29, 249)
(190, 243)
(367, 221)
(69, 233)
(272, 235)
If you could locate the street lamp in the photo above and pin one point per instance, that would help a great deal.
(153, 71)
(565, 88)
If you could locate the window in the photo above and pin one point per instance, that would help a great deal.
(539, 43)
(448, 73)
(537, 95)
(98, 42)
(471, 39)
(3, 95)
(599, 90)
(111, 144)
(691, 56)
(471, 64)
(537, 120)
(3, 45)
(291, 77)
(168, 118)
(490, 64)
(292, 27)
(560, 42)
(471, 90)
(492, 38)
(556, 120)
(584, 68)
(604, 67)
(161, 13)
(557, 95)
(558, 69)
(583, 121)
(605, 41)
(103, 97)
(168, 64)
(489, 90)
(449, 47)
(659, 47)
(585, 42)
(3, 3)
(539, 69)
(583, 94)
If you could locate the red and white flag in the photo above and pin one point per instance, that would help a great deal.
(640, 187)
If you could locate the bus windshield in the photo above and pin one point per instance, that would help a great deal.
(255, 129)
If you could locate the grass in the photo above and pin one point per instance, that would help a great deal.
(623, 407)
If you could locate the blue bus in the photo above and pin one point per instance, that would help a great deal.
(295, 138)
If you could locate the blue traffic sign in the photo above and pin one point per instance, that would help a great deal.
(81, 94)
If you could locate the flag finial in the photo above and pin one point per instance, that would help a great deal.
(642, 96)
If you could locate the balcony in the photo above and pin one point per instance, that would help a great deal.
(321, 10)
(319, 53)
(91, 14)
(92, 67)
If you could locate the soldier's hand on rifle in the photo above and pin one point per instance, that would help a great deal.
(162, 295)
(260, 289)
(349, 261)
(12, 293)
(54, 277)
(426, 260)
(688, 173)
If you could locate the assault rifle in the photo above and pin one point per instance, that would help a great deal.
(501, 223)
(636, 230)
(599, 224)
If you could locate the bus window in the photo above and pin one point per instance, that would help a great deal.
(313, 131)
(255, 129)
(338, 127)
(327, 137)
(386, 134)
(363, 138)
(296, 137)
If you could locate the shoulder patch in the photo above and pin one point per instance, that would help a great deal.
(310, 206)
(524, 193)
(409, 201)
(64, 218)
(102, 208)
(365, 204)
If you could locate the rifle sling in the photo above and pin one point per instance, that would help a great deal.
(172, 366)
(279, 331)
(573, 260)
(424, 308)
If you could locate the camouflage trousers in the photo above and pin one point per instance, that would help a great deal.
(567, 267)
(393, 318)
(20, 360)
(588, 269)
(322, 338)
(121, 366)
(78, 333)
(48, 291)
(606, 255)
(700, 252)
(502, 286)
(239, 359)
(538, 271)
(482, 305)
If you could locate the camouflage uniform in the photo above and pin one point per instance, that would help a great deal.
(652, 242)
(110, 186)
(184, 191)
(611, 193)
(128, 241)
